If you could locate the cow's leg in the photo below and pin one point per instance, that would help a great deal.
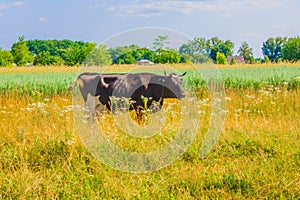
(139, 114)
(84, 95)
(156, 106)
(104, 100)
(99, 109)
(92, 108)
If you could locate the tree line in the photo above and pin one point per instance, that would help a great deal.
(199, 50)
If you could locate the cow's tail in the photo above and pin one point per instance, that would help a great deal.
(71, 87)
(77, 82)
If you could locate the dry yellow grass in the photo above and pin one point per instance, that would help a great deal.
(257, 155)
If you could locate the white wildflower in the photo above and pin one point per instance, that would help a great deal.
(227, 98)
(70, 142)
(29, 109)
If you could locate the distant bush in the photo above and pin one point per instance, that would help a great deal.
(232, 61)
(221, 58)
(6, 58)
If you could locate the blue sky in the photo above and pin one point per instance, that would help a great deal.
(253, 21)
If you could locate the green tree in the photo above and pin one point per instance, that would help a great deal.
(195, 46)
(226, 48)
(126, 58)
(232, 61)
(273, 48)
(38, 46)
(117, 52)
(21, 53)
(186, 49)
(149, 55)
(72, 56)
(266, 59)
(160, 42)
(186, 58)
(6, 58)
(291, 50)
(215, 45)
(86, 49)
(167, 56)
(99, 57)
(143, 53)
(195, 51)
(72, 52)
(201, 58)
(76, 54)
(45, 58)
(246, 52)
(221, 58)
(252, 60)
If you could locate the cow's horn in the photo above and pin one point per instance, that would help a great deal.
(103, 83)
(182, 74)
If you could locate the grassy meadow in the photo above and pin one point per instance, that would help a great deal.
(257, 155)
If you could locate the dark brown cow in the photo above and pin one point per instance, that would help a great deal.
(89, 83)
(152, 86)
(131, 86)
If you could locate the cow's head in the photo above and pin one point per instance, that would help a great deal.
(172, 85)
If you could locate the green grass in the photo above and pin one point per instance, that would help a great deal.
(36, 83)
(254, 78)
(236, 78)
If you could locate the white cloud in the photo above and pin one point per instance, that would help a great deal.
(148, 8)
(42, 19)
(226, 15)
(95, 6)
(152, 8)
(18, 3)
(254, 4)
(111, 8)
(9, 5)
(281, 26)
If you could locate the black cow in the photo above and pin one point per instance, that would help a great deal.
(134, 86)
(93, 86)
(89, 83)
